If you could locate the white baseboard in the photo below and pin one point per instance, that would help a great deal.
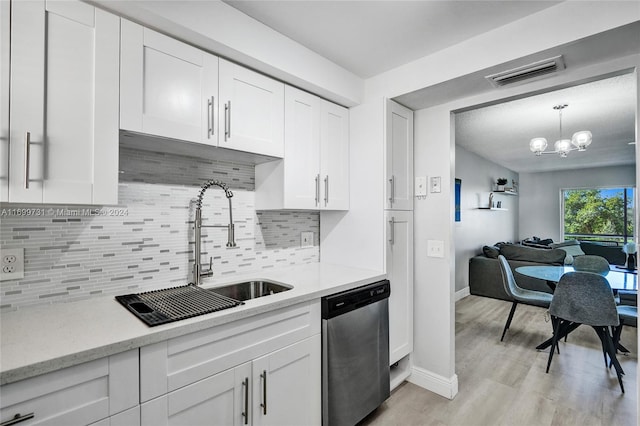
(446, 387)
(461, 294)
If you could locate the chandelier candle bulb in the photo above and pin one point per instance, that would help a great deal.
(581, 140)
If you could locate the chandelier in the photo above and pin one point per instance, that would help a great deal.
(579, 141)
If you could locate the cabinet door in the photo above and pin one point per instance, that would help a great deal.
(64, 103)
(334, 157)
(223, 399)
(168, 88)
(252, 107)
(399, 157)
(130, 417)
(77, 395)
(302, 150)
(399, 263)
(5, 46)
(287, 387)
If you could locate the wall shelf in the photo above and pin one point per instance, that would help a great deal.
(493, 208)
(505, 192)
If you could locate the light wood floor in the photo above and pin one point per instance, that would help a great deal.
(504, 383)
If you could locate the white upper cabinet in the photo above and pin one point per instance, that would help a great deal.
(334, 157)
(399, 158)
(168, 88)
(302, 149)
(5, 48)
(252, 110)
(64, 103)
(315, 171)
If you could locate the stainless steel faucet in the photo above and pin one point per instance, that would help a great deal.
(491, 200)
(197, 266)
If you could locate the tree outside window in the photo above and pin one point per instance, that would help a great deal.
(602, 214)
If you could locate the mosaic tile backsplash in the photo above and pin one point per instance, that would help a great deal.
(147, 242)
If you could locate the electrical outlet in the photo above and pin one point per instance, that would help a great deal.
(12, 264)
(306, 239)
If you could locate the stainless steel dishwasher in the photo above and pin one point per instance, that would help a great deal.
(355, 353)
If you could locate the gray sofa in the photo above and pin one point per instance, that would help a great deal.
(485, 278)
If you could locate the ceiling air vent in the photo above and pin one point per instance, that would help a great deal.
(526, 72)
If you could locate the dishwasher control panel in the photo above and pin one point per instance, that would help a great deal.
(340, 303)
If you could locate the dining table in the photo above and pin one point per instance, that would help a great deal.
(619, 278)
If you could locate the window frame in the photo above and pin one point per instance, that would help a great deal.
(599, 188)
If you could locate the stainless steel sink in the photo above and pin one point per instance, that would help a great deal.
(250, 289)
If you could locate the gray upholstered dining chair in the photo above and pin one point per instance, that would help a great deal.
(585, 298)
(628, 315)
(591, 263)
(519, 294)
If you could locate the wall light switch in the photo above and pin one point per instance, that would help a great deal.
(306, 239)
(421, 186)
(11, 264)
(435, 248)
(436, 184)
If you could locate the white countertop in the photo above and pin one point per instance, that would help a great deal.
(42, 339)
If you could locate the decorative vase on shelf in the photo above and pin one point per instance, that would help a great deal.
(500, 188)
(631, 261)
(631, 250)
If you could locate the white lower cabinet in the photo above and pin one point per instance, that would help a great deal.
(104, 390)
(222, 399)
(280, 388)
(399, 263)
(287, 386)
(130, 417)
(261, 370)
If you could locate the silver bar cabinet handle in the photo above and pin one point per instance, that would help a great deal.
(210, 118)
(27, 158)
(227, 120)
(263, 376)
(392, 230)
(17, 419)
(392, 192)
(326, 190)
(245, 413)
(317, 189)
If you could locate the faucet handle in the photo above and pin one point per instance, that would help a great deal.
(209, 272)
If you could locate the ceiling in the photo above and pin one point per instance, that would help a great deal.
(501, 133)
(370, 37)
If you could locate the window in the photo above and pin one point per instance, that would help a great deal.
(599, 214)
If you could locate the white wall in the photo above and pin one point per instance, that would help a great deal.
(481, 227)
(434, 338)
(540, 195)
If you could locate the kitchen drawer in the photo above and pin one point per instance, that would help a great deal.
(77, 395)
(172, 364)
